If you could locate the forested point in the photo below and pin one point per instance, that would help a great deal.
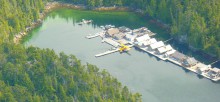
(40, 75)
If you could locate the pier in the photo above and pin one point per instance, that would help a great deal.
(92, 36)
(107, 52)
(95, 35)
(111, 42)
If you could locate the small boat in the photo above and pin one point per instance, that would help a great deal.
(86, 21)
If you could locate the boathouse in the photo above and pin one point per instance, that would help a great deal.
(156, 45)
(190, 62)
(163, 49)
(177, 56)
(147, 43)
(112, 31)
(168, 53)
(141, 38)
(130, 37)
(214, 72)
(119, 36)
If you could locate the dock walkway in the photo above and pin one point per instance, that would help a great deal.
(92, 36)
(107, 52)
(95, 35)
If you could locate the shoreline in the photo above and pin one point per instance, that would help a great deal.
(50, 6)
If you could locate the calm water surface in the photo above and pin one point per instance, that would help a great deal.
(156, 80)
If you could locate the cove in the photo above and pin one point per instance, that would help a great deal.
(156, 80)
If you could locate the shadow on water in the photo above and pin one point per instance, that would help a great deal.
(200, 76)
(141, 51)
(126, 52)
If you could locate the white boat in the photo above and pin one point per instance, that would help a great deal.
(86, 21)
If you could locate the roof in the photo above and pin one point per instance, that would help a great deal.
(178, 55)
(170, 52)
(148, 42)
(129, 36)
(142, 38)
(165, 49)
(157, 45)
(153, 40)
(124, 29)
(215, 69)
(119, 35)
(191, 61)
(113, 31)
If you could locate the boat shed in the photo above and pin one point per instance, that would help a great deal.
(147, 42)
(130, 37)
(119, 36)
(164, 49)
(142, 38)
(156, 45)
(168, 53)
(178, 56)
(214, 72)
(189, 62)
(112, 31)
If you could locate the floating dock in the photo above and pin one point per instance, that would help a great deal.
(117, 39)
(95, 35)
(92, 36)
(111, 42)
(107, 52)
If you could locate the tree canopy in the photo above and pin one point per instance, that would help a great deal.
(32, 74)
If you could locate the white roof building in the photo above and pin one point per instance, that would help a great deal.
(142, 38)
(157, 45)
(130, 37)
(148, 42)
(170, 52)
(164, 49)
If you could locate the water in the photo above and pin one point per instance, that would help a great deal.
(156, 80)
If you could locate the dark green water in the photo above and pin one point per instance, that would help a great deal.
(156, 80)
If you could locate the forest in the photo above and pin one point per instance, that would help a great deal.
(40, 75)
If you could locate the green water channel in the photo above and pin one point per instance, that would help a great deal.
(156, 80)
